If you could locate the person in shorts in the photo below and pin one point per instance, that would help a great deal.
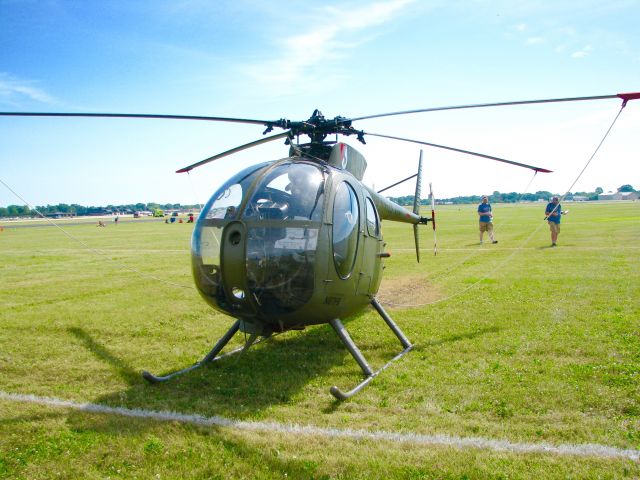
(552, 213)
(486, 219)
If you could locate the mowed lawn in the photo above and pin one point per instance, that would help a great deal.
(515, 342)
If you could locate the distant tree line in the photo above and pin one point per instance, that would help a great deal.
(511, 197)
(81, 210)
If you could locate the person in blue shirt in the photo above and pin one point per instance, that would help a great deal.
(486, 219)
(552, 214)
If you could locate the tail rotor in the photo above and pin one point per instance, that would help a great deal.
(433, 219)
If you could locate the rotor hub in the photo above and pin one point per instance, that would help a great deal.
(317, 127)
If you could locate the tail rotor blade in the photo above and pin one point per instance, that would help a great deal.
(433, 219)
(416, 237)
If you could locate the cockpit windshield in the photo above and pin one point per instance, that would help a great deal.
(279, 208)
(291, 191)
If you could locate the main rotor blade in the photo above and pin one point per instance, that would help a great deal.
(234, 150)
(139, 115)
(500, 104)
(490, 157)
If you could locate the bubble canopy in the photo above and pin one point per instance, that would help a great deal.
(254, 244)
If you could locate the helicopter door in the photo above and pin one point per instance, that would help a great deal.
(341, 281)
(372, 246)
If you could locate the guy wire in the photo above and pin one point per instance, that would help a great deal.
(592, 155)
(94, 250)
(447, 271)
(519, 248)
(195, 192)
(476, 251)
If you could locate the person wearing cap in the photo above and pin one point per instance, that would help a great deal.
(552, 213)
(486, 219)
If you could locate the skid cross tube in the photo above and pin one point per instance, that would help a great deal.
(210, 357)
(357, 355)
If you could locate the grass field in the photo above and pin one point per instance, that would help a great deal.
(516, 343)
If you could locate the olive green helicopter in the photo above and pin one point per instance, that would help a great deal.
(295, 242)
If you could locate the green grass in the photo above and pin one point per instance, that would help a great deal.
(515, 341)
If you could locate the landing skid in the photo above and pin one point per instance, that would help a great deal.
(337, 325)
(210, 357)
(357, 355)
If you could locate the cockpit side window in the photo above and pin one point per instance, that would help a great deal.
(345, 229)
(373, 224)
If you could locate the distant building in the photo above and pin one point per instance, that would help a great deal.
(619, 196)
(59, 215)
(580, 198)
(99, 213)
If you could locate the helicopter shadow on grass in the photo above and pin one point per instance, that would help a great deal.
(456, 338)
(238, 386)
(8, 419)
(235, 449)
(123, 370)
(101, 353)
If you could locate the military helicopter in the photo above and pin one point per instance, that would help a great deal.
(295, 242)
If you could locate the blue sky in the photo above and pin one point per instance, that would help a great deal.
(270, 60)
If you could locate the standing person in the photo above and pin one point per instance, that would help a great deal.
(486, 219)
(552, 213)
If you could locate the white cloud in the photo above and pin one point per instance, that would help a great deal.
(569, 40)
(301, 53)
(13, 91)
(567, 31)
(535, 40)
(368, 16)
(585, 51)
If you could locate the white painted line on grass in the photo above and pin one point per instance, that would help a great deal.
(584, 450)
(490, 248)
